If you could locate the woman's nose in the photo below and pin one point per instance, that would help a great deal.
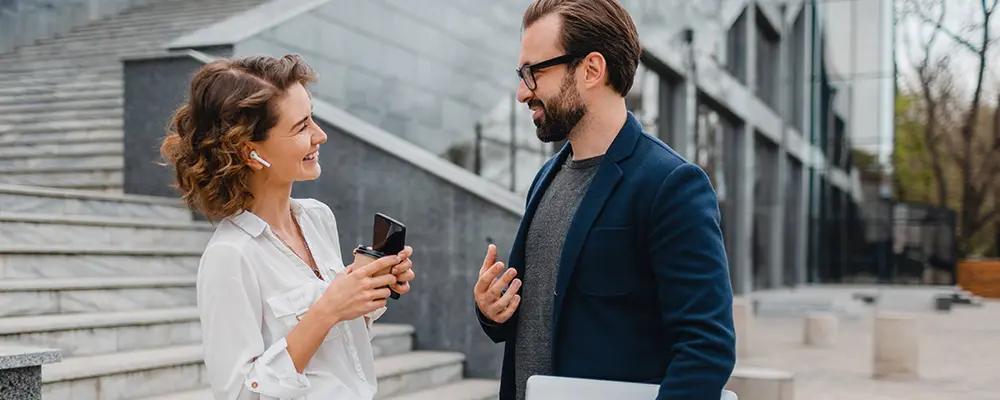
(319, 137)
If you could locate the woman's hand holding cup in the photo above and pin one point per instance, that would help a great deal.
(357, 291)
(403, 271)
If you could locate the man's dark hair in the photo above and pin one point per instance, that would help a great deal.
(595, 25)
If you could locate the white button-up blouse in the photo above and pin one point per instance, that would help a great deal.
(252, 290)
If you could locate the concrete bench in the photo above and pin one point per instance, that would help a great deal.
(758, 383)
(897, 346)
(821, 330)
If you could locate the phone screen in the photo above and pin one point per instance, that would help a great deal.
(389, 236)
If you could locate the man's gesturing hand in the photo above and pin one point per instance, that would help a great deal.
(493, 302)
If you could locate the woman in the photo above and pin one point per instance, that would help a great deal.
(281, 316)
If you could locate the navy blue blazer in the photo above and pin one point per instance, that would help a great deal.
(643, 291)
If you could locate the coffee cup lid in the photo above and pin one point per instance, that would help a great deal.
(369, 252)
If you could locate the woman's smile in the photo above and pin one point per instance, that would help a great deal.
(311, 157)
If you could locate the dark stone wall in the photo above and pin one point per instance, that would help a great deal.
(154, 88)
(448, 226)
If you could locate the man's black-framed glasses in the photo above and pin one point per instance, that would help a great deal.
(527, 72)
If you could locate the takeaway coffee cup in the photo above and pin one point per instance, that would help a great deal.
(364, 256)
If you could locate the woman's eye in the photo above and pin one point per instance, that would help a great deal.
(304, 126)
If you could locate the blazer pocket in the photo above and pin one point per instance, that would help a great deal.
(606, 266)
(289, 307)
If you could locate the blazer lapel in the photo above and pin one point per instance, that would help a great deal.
(607, 178)
(534, 197)
(604, 183)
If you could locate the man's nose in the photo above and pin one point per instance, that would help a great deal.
(523, 93)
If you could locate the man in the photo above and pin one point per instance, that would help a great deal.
(618, 270)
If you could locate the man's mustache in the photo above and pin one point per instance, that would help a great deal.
(534, 103)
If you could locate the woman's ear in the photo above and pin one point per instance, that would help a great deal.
(254, 160)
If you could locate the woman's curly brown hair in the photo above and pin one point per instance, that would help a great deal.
(231, 102)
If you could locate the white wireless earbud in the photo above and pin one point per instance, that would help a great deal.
(253, 155)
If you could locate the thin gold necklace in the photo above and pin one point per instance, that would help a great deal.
(305, 243)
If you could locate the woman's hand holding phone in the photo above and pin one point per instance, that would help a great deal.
(403, 272)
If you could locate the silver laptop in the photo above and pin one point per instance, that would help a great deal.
(542, 387)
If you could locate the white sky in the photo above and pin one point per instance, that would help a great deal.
(961, 17)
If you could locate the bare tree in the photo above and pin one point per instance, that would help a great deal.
(975, 149)
(930, 71)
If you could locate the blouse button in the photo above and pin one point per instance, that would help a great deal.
(253, 385)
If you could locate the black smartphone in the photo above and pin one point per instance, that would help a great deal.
(388, 237)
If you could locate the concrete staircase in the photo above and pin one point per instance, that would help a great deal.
(61, 98)
(109, 279)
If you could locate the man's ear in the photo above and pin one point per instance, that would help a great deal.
(595, 70)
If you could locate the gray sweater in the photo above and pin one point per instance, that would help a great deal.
(546, 233)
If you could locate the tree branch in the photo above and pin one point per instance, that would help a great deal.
(990, 167)
(981, 222)
(939, 27)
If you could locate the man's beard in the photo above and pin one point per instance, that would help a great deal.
(561, 115)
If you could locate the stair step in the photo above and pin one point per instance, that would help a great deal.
(416, 371)
(29, 199)
(150, 31)
(88, 333)
(96, 57)
(80, 50)
(42, 110)
(49, 73)
(55, 87)
(78, 63)
(104, 332)
(130, 42)
(391, 339)
(62, 115)
(115, 376)
(466, 389)
(155, 35)
(69, 261)
(60, 148)
(22, 297)
(197, 394)
(173, 16)
(65, 138)
(50, 126)
(99, 162)
(404, 373)
(13, 169)
(28, 229)
(163, 6)
(84, 179)
(22, 79)
(58, 73)
(49, 97)
(154, 30)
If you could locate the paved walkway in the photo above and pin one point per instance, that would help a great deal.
(959, 357)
